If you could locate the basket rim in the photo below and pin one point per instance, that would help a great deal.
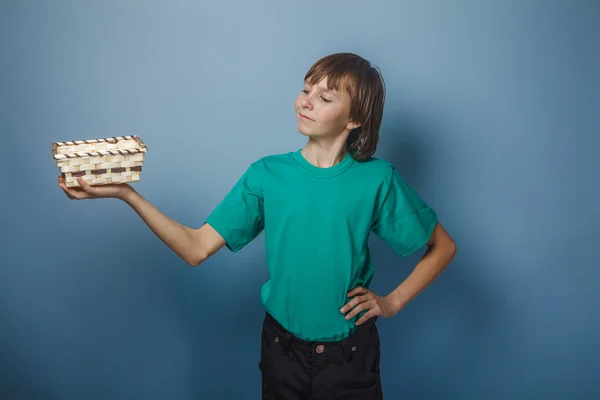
(142, 148)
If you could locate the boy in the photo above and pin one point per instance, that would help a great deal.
(317, 207)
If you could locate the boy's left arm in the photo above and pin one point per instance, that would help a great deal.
(440, 251)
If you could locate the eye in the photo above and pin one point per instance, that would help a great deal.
(325, 100)
(305, 91)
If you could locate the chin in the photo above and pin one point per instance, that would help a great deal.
(303, 131)
(309, 135)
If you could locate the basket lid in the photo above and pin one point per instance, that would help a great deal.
(121, 145)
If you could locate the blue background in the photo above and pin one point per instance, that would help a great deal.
(492, 115)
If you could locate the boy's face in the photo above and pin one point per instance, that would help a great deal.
(323, 113)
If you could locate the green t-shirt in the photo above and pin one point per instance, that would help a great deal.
(317, 223)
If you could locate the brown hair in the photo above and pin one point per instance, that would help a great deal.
(366, 87)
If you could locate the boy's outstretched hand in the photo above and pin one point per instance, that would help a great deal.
(87, 191)
(364, 299)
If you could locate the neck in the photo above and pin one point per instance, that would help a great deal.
(325, 154)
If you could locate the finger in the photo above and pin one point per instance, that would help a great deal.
(68, 195)
(62, 183)
(63, 187)
(365, 295)
(349, 305)
(355, 301)
(362, 306)
(84, 185)
(90, 191)
(357, 290)
(73, 194)
(369, 314)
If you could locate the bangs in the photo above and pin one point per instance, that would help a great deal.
(339, 71)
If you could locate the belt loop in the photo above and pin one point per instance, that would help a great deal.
(287, 341)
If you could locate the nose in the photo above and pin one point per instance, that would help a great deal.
(306, 103)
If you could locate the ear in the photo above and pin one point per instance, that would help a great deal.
(352, 125)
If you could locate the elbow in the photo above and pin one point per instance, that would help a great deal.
(442, 244)
(445, 249)
(193, 263)
(451, 249)
(195, 253)
(196, 258)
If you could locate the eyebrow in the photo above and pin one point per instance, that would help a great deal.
(332, 92)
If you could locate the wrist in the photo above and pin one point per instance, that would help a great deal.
(396, 303)
(126, 193)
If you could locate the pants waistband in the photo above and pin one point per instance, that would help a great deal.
(363, 334)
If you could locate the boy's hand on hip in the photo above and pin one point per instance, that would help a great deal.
(364, 299)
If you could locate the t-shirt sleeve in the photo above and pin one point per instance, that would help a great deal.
(404, 220)
(239, 218)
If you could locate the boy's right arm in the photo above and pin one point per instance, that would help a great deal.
(192, 245)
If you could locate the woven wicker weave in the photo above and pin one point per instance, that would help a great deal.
(100, 161)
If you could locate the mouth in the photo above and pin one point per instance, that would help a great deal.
(305, 117)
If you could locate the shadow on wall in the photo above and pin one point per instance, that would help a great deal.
(429, 348)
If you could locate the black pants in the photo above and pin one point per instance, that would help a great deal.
(294, 369)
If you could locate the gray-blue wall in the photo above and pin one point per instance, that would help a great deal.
(491, 114)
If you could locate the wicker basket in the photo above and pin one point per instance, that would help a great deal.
(100, 161)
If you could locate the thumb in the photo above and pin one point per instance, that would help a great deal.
(84, 185)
